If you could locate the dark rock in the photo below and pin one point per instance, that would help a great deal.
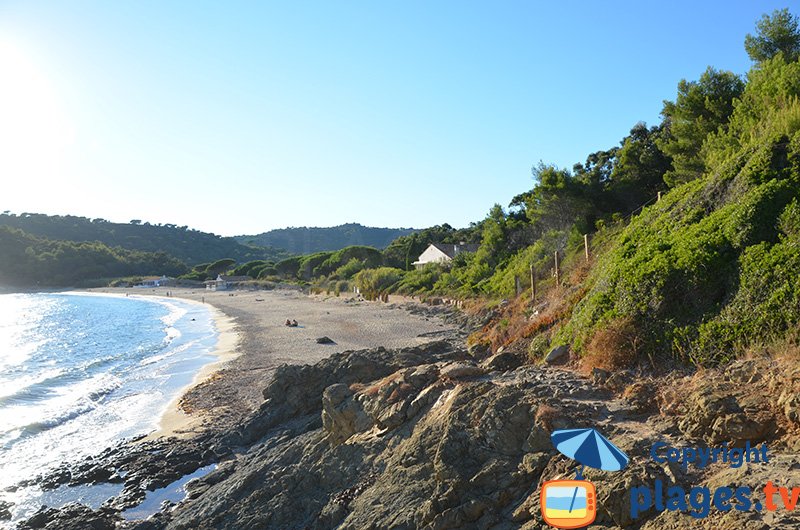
(558, 355)
(5, 510)
(502, 361)
(71, 517)
(479, 349)
(600, 376)
(325, 340)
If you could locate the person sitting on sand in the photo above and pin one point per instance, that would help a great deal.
(294, 323)
(287, 323)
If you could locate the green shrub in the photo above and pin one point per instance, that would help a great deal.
(374, 282)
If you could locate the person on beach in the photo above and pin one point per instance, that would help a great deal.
(288, 323)
(294, 323)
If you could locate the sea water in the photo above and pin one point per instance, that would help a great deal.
(79, 373)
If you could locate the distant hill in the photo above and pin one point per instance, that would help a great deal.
(304, 240)
(188, 245)
(27, 260)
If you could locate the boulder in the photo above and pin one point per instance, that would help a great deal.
(502, 361)
(460, 370)
(5, 510)
(558, 355)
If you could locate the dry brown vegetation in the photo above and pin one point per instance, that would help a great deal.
(614, 347)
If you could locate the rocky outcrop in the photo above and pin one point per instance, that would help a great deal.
(730, 408)
(427, 438)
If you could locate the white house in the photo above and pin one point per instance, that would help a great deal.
(154, 281)
(223, 283)
(442, 253)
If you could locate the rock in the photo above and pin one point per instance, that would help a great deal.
(460, 371)
(325, 340)
(558, 355)
(641, 396)
(71, 517)
(726, 411)
(342, 417)
(600, 376)
(619, 381)
(479, 349)
(503, 361)
(5, 510)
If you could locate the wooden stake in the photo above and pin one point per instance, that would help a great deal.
(586, 246)
(533, 285)
(558, 275)
(517, 285)
(659, 197)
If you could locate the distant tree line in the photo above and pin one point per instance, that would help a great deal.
(188, 245)
(27, 260)
(305, 240)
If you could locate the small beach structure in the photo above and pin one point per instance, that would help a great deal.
(442, 253)
(223, 283)
(155, 281)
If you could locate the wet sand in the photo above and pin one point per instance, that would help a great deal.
(254, 341)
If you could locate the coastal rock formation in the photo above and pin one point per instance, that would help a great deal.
(425, 438)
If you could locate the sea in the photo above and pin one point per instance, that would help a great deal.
(81, 372)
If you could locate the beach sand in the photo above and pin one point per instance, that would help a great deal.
(254, 341)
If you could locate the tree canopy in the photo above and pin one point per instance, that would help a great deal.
(776, 33)
(701, 108)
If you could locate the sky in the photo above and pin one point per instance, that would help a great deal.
(240, 117)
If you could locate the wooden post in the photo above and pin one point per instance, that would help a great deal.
(517, 285)
(558, 275)
(659, 197)
(586, 246)
(533, 285)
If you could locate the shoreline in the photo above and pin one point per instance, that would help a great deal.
(253, 341)
(174, 421)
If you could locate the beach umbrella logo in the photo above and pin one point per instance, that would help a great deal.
(573, 503)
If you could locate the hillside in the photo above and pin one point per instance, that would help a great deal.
(26, 260)
(304, 240)
(188, 245)
(691, 230)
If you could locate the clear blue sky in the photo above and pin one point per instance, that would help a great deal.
(239, 117)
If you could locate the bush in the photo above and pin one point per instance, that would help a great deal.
(374, 282)
(615, 346)
(341, 287)
(349, 269)
(418, 281)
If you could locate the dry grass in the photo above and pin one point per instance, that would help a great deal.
(402, 391)
(614, 347)
(580, 272)
(357, 387)
(546, 415)
(786, 347)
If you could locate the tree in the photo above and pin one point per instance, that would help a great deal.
(639, 172)
(701, 108)
(220, 266)
(777, 33)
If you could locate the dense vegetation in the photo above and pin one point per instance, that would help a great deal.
(699, 276)
(28, 260)
(303, 240)
(188, 245)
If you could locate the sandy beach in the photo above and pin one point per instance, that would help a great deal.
(253, 341)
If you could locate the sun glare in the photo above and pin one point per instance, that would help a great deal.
(34, 131)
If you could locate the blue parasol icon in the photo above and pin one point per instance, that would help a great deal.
(590, 448)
